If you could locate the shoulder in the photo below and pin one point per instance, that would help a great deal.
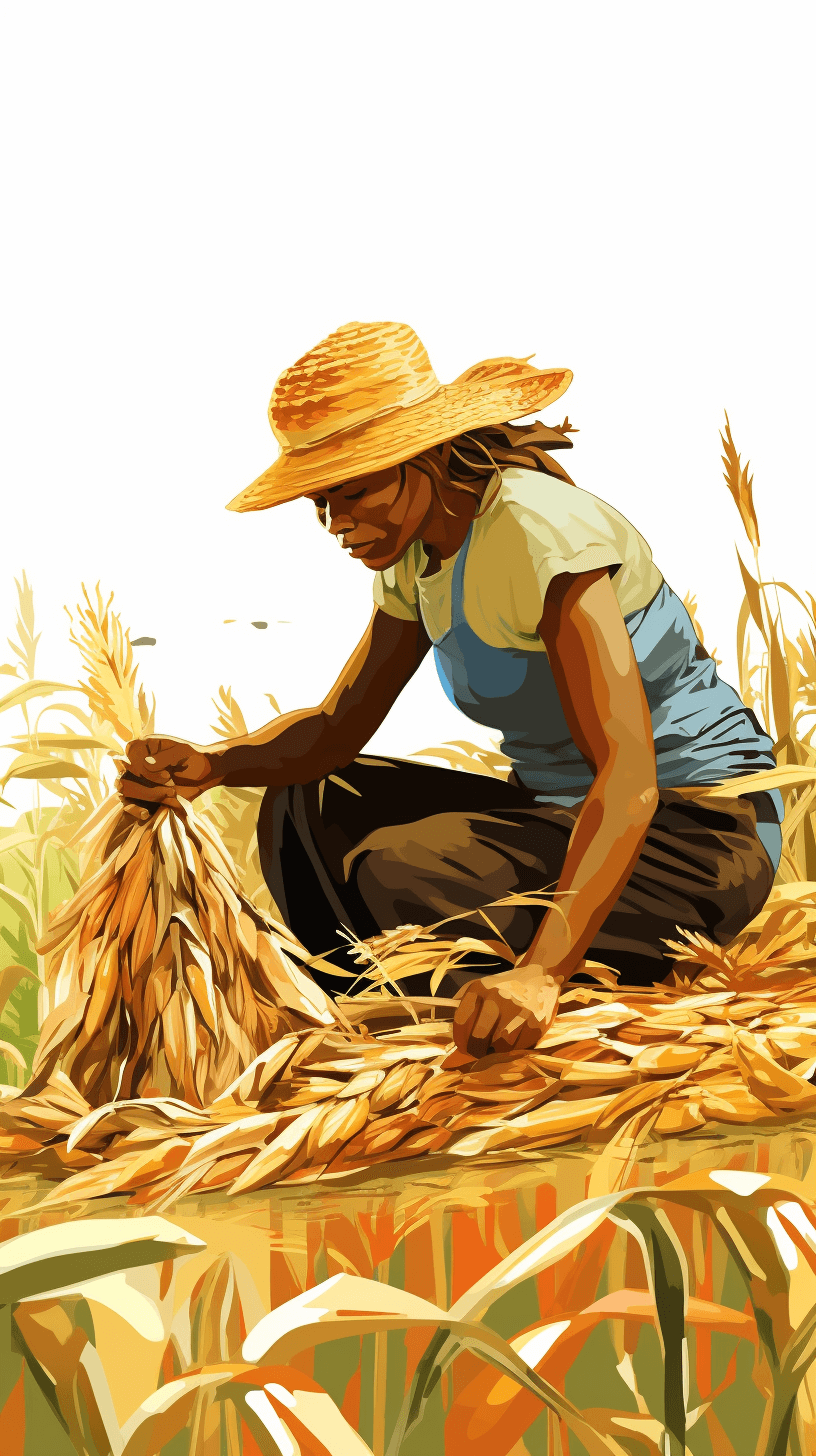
(537, 517)
(539, 527)
(562, 521)
(542, 504)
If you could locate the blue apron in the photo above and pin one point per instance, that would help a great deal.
(703, 733)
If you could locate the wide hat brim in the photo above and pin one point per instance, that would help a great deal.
(491, 393)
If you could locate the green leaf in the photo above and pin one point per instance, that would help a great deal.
(16, 841)
(22, 907)
(10, 978)
(13, 1055)
(668, 1278)
(38, 688)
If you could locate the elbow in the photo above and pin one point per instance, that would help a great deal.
(641, 790)
(342, 742)
(630, 783)
(644, 804)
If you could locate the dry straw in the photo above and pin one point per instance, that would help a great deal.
(164, 979)
(731, 1040)
(185, 1049)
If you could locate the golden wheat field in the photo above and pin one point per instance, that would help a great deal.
(317, 1227)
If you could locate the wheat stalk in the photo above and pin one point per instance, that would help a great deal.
(740, 484)
(731, 1039)
(164, 980)
(231, 722)
(111, 676)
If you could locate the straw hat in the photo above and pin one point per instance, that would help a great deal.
(367, 397)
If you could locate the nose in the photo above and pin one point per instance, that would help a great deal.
(339, 524)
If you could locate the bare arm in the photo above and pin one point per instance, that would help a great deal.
(605, 706)
(297, 747)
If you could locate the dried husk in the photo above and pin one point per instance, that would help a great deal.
(206, 1046)
(164, 981)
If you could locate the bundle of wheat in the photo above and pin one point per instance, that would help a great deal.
(732, 1039)
(162, 978)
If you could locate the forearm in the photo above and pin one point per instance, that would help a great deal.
(301, 747)
(293, 749)
(607, 838)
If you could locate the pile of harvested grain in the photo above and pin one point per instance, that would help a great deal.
(162, 979)
(736, 1044)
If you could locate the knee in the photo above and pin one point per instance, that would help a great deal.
(391, 855)
(375, 870)
(743, 901)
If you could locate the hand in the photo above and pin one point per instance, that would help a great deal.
(505, 1013)
(163, 770)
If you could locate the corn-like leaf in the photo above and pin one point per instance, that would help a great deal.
(38, 688)
(492, 1413)
(305, 1420)
(540, 1252)
(348, 1305)
(163, 1416)
(785, 776)
(13, 1054)
(67, 1254)
(753, 596)
(21, 907)
(73, 742)
(56, 1346)
(668, 1279)
(35, 766)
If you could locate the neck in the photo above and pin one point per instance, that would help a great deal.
(448, 523)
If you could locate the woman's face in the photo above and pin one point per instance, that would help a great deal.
(378, 516)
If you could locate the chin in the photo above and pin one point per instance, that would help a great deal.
(380, 561)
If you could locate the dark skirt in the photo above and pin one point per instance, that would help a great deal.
(389, 842)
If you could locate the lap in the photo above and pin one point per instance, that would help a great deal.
(386, 842)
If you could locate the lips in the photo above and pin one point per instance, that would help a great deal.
(356, 548)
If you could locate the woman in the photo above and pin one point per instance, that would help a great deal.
(550, 622)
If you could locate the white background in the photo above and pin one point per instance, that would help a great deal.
(194, 194)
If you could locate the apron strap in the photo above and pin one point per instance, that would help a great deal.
(458, 582)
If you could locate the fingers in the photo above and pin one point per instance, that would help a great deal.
(155, 757)
(136, 811)
(519, 1035)
(465, 1018)
(477, 1024)
(131, 788)
(505, 1014)
(481, 1036)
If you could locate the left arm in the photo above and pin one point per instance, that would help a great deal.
(606, 710)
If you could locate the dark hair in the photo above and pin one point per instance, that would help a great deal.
(468, 461)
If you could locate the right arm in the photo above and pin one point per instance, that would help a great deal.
(297, 747)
